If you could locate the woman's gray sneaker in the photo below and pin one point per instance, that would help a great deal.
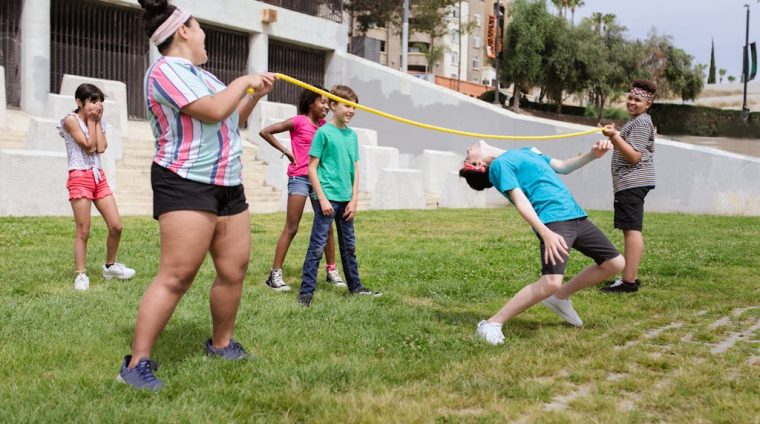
(141, 376)
(232, 352)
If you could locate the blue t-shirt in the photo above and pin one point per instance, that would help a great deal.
(528, 169)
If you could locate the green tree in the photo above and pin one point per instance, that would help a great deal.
(695, 82)
(711, 72)
(366, 14)
(563, 71)
(722, 73)
(609, 61)
(731, 78)
(524, 46)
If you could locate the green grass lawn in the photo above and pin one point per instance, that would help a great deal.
(666, 353)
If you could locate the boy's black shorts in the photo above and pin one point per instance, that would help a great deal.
(629, 208)
(174, 193)
(583, 236)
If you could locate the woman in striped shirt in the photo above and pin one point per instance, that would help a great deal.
(198, 196)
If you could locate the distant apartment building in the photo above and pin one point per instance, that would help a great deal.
(464, 65)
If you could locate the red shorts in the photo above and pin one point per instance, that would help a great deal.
(81, 185)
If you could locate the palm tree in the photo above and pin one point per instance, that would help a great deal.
(722, 73)
(602, 22)
(560, 5)
(574, 4)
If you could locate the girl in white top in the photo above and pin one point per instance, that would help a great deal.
(83, 131)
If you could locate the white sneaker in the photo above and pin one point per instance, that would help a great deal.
(118, 270)
(334, 278)
(81, 282)
(563, 308)
(275, 281)
(490, 332)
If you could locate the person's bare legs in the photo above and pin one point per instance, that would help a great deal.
(110, 213)
(81, 208)
(231, 251)
(591, 275)
(527, 297)
(634, 249)
(185, 238)
(292, 220)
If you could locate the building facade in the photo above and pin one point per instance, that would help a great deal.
(42, 40)
(464, 61)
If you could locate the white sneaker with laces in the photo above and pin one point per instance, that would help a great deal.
(490, 332)
(81, 282)
(334, 278)
(118, 270)
(563, 308)
(275, 281)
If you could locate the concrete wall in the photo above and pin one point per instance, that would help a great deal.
(245, 15)
(44, 194)
(3, 106)
(690, 178)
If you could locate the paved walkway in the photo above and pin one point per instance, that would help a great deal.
(744, 146)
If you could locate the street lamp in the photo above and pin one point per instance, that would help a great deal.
(745, 68)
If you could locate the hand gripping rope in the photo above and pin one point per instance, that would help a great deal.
(426, 126)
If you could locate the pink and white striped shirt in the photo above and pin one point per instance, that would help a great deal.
(209, 153)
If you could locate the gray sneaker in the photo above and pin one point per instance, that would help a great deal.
(232, 352)
(334, 278)
(141, 376)
(563, 308)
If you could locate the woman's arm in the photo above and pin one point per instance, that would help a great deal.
(101, 144)
(268, 135)
(324, 204)
(554, 244)
(219, 106)
(249, 102)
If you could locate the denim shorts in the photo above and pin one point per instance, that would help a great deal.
(299, 185)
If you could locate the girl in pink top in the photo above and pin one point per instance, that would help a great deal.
(312, 109)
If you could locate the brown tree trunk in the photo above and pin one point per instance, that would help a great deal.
(515, 99)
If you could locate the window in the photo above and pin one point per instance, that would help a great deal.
(454, 58)
(476, 16)
(476, 41)
(382, 46)
(476, 61)
(454, 12)
(454, 36)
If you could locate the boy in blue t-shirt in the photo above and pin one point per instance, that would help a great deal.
(334, 176)
(529, 180)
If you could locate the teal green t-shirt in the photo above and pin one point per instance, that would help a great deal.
(337, 150)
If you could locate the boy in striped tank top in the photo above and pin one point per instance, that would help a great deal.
(632, 178)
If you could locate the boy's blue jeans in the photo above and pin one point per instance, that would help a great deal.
(346, 243)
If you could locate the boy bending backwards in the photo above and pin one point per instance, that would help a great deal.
(529, 180)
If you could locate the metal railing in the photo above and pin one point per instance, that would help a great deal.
(305, 64)
(101, 41)
(10, 49)
(227, 52)
(327, 9)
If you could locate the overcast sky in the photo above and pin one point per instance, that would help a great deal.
(691, 23)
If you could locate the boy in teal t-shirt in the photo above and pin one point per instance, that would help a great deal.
(334, 175)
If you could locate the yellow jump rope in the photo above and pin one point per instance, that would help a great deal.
(426, 126)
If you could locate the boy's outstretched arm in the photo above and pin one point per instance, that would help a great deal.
(569, 165)
(555, 245)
